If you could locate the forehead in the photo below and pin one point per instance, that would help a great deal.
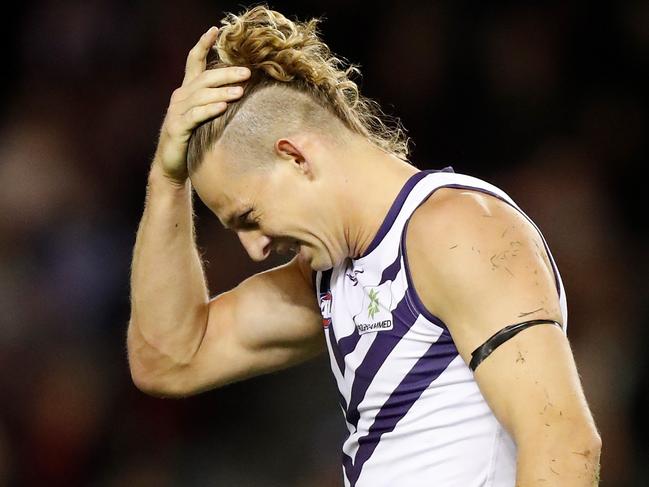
(222, 185)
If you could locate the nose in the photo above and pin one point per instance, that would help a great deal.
(256, 244)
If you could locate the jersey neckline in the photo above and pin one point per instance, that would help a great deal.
(393, 212)
(395, 209)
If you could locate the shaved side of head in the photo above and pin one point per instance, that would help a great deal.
(270, 114)
(295, 78)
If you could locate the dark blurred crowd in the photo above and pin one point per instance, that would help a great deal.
(545, 100)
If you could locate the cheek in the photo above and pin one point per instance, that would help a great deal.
(292, 217)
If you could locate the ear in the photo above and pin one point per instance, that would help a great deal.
(291, 151)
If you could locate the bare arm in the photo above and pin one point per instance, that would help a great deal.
(531, 381)
(168, 290)
(268, 322)
(179, 341)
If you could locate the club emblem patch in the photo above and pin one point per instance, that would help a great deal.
(375, 313)
(325, 308)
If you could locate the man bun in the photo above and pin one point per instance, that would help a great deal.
(284, 50)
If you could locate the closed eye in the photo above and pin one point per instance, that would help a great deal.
(246, 220)
(241, 221)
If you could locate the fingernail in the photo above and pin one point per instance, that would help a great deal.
(244, 71)
(236, 90)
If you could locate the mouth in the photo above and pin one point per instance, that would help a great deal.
(292, 247)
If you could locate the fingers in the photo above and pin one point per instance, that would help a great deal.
(206, 96)
(180, 126)
(212, 78)
(197, 115)
(219, 77)
(203, 94)
(196, 58)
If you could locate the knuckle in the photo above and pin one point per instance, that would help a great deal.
(212, 96)
(195, 98)
(193, 52)
(176, 95)
(210, 76)
(196, 113)
(207, 75)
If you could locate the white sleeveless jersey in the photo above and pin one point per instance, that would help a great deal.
(415, 415)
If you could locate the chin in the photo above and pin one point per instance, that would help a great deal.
(321, 267)
(317, 261)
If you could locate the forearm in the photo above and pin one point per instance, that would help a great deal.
(169, 295)
(571, 463)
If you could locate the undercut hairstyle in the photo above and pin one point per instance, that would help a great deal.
(295, 83)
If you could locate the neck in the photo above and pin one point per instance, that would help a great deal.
(366, 190)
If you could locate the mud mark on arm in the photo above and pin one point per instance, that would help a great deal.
(527, 313)
(501, 258)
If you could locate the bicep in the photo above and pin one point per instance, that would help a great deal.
(268, 322)
(488, 269)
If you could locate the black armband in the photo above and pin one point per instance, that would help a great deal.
(500, 337)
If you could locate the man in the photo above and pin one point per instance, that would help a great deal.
(443, 311)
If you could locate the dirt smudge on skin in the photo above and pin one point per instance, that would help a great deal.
(521, 315)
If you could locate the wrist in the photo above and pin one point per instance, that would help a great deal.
(159, 177)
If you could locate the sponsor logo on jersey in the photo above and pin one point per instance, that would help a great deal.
(325, 308)
(375, 313)
(376, 326)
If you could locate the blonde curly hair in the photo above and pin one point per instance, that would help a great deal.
(282, 52)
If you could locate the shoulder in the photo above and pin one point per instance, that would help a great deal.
(465, 222)
(469, 252)
(465, 210)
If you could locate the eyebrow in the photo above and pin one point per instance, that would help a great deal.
(235, 218)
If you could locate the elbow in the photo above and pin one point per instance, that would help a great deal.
(145, 383)
(170, 385)
(593, 445)
(586, 450)
(598, 444)
(569, 441)
(570, 456)
(155, 373)
(585, 441)
(162, 380)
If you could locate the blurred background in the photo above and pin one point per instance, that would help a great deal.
(542, 99)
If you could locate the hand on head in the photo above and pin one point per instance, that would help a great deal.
(203, 95)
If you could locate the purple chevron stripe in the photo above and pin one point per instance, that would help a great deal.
(427, 369)
(348, 344)
(378, 352)
(348, 466)
(394, 210)
(398, 204)
(411, 292)
(391, 271)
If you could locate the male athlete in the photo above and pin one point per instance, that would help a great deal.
(443, 310)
